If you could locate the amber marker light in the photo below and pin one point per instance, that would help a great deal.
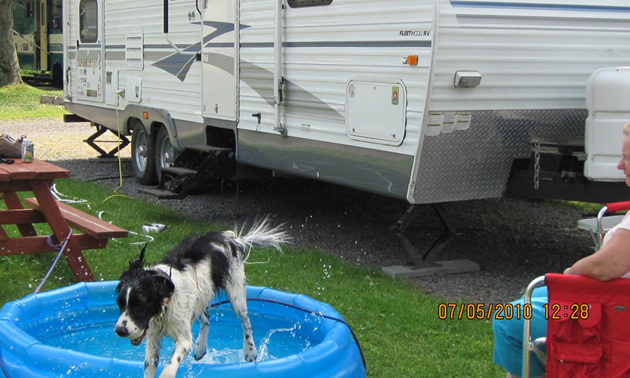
(412, 60)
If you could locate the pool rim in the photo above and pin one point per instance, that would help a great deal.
(338, 335)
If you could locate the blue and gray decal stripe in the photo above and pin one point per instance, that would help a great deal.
(547, 7)
(345, 44)
(323, 44)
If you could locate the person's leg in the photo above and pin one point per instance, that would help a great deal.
(508, 334)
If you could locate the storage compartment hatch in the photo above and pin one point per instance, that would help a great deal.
(376, 111)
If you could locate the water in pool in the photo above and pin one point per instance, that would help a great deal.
(275, 337)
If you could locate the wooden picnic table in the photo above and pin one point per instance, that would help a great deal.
(38, 177)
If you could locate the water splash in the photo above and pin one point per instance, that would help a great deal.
(264, 353)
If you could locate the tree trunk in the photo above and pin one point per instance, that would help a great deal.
(9, 66)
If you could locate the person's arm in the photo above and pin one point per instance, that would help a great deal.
(610, 262)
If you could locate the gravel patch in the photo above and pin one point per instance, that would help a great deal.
(513, 240)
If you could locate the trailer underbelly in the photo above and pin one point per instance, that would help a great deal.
(371, 170)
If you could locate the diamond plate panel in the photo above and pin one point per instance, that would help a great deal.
(475, 163)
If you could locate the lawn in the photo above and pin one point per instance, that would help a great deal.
(22, 101)
(398, 327)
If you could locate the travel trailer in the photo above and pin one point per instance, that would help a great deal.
(429, 101)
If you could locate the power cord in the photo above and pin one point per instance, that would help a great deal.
(118, 93)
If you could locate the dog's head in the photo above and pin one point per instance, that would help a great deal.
(141, 296)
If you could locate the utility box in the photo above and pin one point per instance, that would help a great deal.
(608, 105)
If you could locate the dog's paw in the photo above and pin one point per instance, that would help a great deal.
(250, 356)
(199, 354)
(200, 351)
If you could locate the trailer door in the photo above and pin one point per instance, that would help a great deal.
(90, 55)
(219, 57)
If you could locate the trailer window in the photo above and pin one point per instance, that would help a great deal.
(88, 21)
(308, 3)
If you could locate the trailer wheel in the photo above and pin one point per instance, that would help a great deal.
(165, 153)
(142, 155)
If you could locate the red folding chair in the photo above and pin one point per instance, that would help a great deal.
(588, 326)
(603, 223)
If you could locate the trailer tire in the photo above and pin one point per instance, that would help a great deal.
(165, 152)
(142, 155)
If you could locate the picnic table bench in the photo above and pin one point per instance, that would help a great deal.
(37, 177)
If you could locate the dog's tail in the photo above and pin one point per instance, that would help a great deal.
(262, 234)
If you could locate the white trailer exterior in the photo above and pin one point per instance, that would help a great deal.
(427, 101)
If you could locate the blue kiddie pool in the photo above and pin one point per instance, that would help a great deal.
(70, 332)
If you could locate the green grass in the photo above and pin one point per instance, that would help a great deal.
(397, 325)
(22, 101)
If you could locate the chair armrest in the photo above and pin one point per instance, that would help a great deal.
(618, 206)
(609, 208)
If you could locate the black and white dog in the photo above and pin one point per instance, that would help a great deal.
(165, 299)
